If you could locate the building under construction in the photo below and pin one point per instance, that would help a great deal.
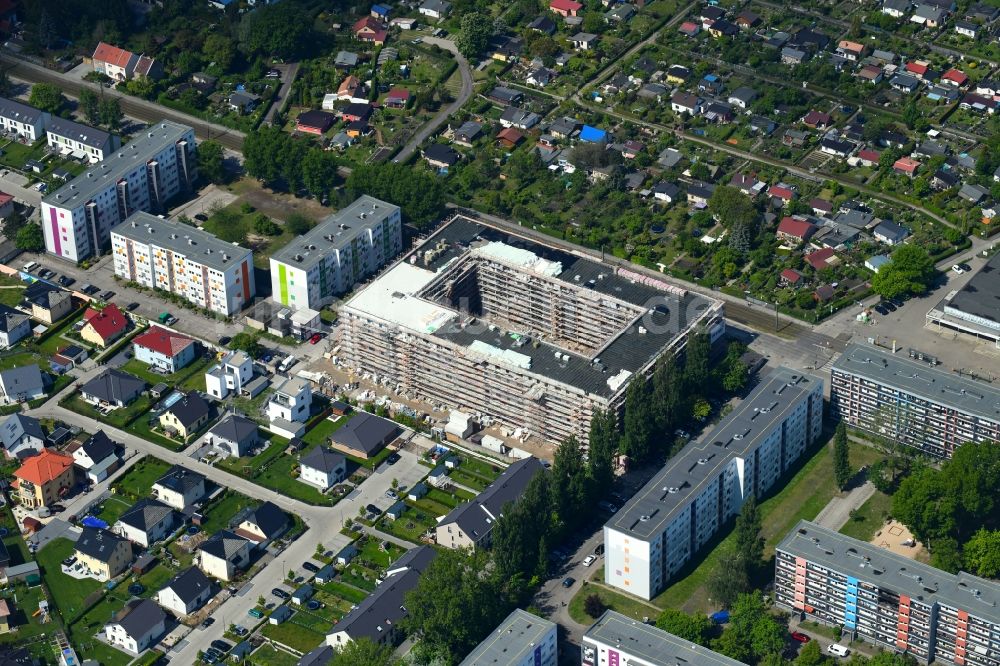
(528, 335)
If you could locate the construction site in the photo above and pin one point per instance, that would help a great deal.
(524, 336)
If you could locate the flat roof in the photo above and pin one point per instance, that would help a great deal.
(195, 244)
(94, 180)
(980, 296)
(666, 310)
(921, 379)
(514, 639)
(334, 232)
(885, 569)
(686, 474)
(652, 645)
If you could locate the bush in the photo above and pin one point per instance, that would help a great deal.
(594, 606)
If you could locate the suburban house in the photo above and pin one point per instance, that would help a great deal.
(49, 304)
(852, 51)
(868, 157)
(14, 326)
(186, 592)
(378, 617)
(467, 133)
(896, 8)
(350, 90)
(314, 122)
(565, 7)
(666, 191)
(290, 401)
(906, 166)
(112, 388)
(823, 258)
(435, 9)
(397, 98)
(782, 192)
(742, 97)
(21, 384)
(369, 29)
(43, 479)
(121, 65)
(103, 553)
(163, 349)
(229, 375)
(583, 41)
(97, 456)
(817, 119)
(471, 524)
(890, 233)
(842, 149)
(186, 416)
(21, 120)
(21, 436)
(103, 327)
(441, 156)
(967, 28)
(140, 624)
(179, 488)
(791, 277)
(223, 555)
(146, 522)
(365, 435)
(263, 525)
(748, 184)
(234, 436)
(322, 468)
(955, 77)
(519, 118)
(685, 102)
(795, 229)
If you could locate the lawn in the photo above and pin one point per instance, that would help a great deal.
(410, 526)
(119, 418)
(10, 295)
(139, 480)
(27, 599)
(112, 508)
(144, 429)
(346, 592)
(615, 601)
(195, 369)
(372, 552)
(803, 497)
(223, 510)
(321, 433)
(268, 655)
(294, 635)
(869, 518)
(68, 593)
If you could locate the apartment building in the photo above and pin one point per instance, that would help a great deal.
(535, 337)
(618, 639)
(703, 487)
(143, 175)
(336, 254)
(522, 639)
(887, 599)
(912, 401)
(22, 120)
(79, 140)
(184, 260)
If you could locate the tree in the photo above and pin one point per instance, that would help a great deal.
(319, 172)
(637, 430)
(219, 49)
(210, 162)
(12, 224)
(474, 34)
(732, 207)
(668, 399)
(571, 488)
(982, 553)
(696, 362)
(276, 30)
(363, 651)
(753, 633)
(695, 628)
(811, 655)
(30, 238)
(603, 441)
(749, 542)
(727, 581)
(736, 374)
(910, 271)
(90, 106)
(594, 606)
(298, 224)
(841, 457)
(458, 600)
(47, 97)
(248, 343)
(111, 114)
(418, 193)
(265, 226)
(262, 149)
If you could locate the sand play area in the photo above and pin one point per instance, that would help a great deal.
(895, 537)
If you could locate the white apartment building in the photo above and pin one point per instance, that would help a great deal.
(704, 486)
(22, 120)
(79, 140)
(183, 260)
(522, 639)
(141, 176)
(336, 254)
(229, 375)
(618, 639)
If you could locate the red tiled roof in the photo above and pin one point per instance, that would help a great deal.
(369, 22)
(791, 275)
(907, 164)
(816, 118)
(821, 204)
(162, 341)
(792, 226)
(112, 54)
(819, 258)
(565, 5)
(144, 65)
(107, 322)
(688, 26)
(510, 135)
(916, 68)
(781, 192)
(44, 467)
(399, 93)
(5, 198)
(956, 75)
(869, 155)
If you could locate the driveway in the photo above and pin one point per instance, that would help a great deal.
(464, 94)
(288, 74)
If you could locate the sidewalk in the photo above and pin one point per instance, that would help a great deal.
(838, 510)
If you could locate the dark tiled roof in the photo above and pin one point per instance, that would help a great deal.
(323, 459)
(113, 386)
(180, 479)
(188, 584)
(223, 544)
(366, 432)
(189, 409)
(269, 518)
(145, 513)
(234, 428)
(141, 616)
(98, 447)
(476, 518)
(98, 543)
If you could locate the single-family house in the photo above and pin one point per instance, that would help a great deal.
(782, 192)
(322, 468)
(890, 233)
(519, 118)
(233, 371)
(896, 8)
(186, 416)
(973, 193)
(234, 435)
(875, 263)
(291, 401)
(823, 258)
(364, 435)
(441, 156)
(43, 479)
(166, 350)
(139, 625)
(121, 65)
(467, 133)
(180, 488)
(14, 326)
(837, 148)
(49, 304)
(102, 327)
(21, 436)
(21, 384)
(742, 97)
(967, 28)
(689, 28)
(223, 555)
(929, 16)
(685, 102)
(565, 7)
(146, 522)
(906, 166)
(102, 552)
(242, 102)
(435, 9)
(795, 229)
(852, 51)
(112, 388)
(264, 524)
(315, 122)
(698, 193)
(186, 592)
(817, 119)
(955, 77)
(97, 456)
(790, 277)
(868, 157)
(369, 29)
(544, 25)
(666, 191)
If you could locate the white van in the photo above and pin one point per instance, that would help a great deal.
(30, 266)
(288, 362)
(838, 650)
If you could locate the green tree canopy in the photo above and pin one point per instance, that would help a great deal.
(910, 271)
(210, 161)
(841, 456)
(280, 30)
(695, 628)
(418, 193)
(30, 238)
(47, 97)
(982, 553)
(732, 207)
(363, 651)
(248, 343)
(475, 31)
(90, 106)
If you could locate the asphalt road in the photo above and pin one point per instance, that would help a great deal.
(442, 116)
(288, 74)
(134, 107)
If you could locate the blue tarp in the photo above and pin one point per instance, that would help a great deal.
(592, 134)
(94, 521)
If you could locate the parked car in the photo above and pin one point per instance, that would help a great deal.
(209, 621)
(599, 550)
(66, 280)
(393, 458)
(800, 637)
(225, 340)
(590, 559)
(958, 269)
(254, 612)
(309, 566)
(221, 645)
(89, 289)
(838, 650)
(607, 506)
(108, 295)
(371, 508)
(240, 630)
(201, 217)
(315, 338)
(280, 593)
(46, 273)
(391, 494)
(568, 581)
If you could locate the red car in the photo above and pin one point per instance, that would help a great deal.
(800, 637)
(315, 338)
